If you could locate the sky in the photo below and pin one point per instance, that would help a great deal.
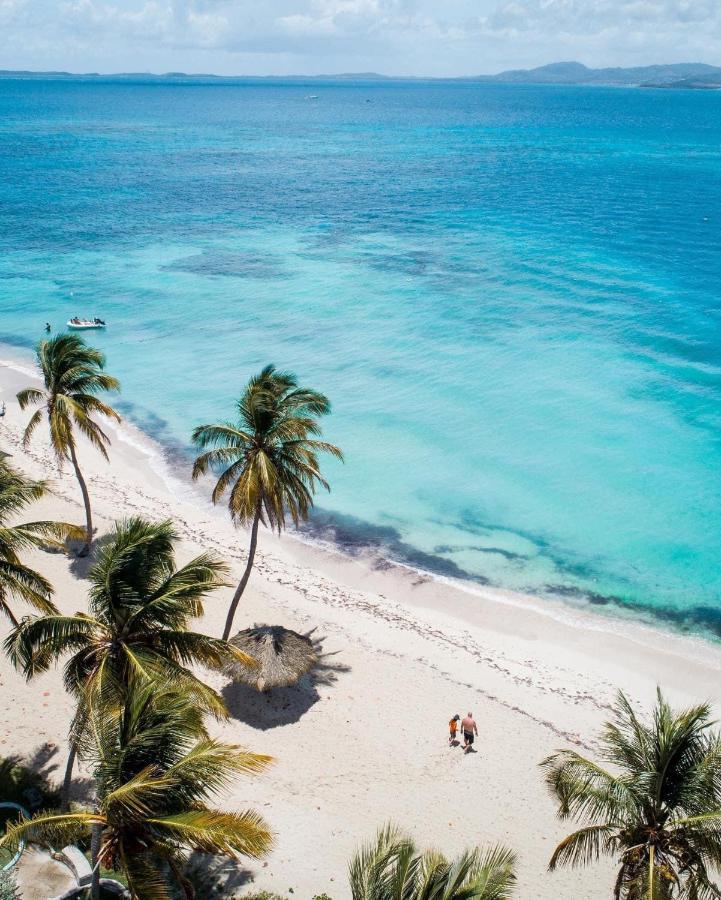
(394, 37)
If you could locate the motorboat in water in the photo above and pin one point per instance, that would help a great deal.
(83, 324)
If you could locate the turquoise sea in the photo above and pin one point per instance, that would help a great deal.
(511, 294)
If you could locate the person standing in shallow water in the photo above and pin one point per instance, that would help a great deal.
(470, 729)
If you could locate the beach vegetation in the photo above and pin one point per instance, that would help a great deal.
(73, 375)
(263, 895)
(155, 769)
(137, 627)
(17, 580)
(393, 868)
(267, 461)
(9, 889)
(657, 808)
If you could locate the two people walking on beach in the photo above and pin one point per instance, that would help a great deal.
(470, 731)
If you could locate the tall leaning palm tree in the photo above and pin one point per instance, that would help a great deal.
(73, 376)
(392, 868)
(16, 579)
(657, 810)
(137, 629)
(155, 769)
(268, 460)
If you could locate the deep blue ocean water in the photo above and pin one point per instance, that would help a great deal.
(511, 294)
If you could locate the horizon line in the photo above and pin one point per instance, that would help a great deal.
(346, 74)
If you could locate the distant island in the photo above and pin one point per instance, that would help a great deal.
(690, 76)
(673, 75)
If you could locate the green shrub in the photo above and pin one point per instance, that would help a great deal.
(263, 895)
(8, 886)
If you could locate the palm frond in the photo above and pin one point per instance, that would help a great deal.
(233, 834)
(52, 828)
(211, 766)
(584, 789)
(134, 799)
(146, 875)
(661, 812)
(37, 642)
(583, 846)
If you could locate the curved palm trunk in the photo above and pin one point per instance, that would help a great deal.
(96, 837)
(86, 500)
(246, 575)
(67, 780)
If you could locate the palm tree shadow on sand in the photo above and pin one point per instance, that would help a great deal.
(80, 565)
(33, 780)
(217, 876)
(282, 706)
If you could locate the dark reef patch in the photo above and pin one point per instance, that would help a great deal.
(411, 263)
(497, 551)
(230, 264)
(356, 536)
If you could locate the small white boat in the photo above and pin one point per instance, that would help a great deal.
(84, 324)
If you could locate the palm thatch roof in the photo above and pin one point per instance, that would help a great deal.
(283, 656)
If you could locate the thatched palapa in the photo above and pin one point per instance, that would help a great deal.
(283, 656)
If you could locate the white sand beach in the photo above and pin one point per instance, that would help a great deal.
(367, 742)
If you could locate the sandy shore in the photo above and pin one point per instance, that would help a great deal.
(366, 743)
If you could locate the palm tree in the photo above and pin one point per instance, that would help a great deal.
(138, 626)
(392, 868)
(16, 579)
(155, 770)
(658, 810)
(268, 461)
(73, 375)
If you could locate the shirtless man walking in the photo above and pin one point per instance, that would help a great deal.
(470, 729)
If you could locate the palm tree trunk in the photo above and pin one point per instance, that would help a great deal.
(651, 873)
(96, 837)
(86, 500)
(67, 780)
(246, 575)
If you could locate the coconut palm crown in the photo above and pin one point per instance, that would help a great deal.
(268, 460)
(16, 579)
(392, 868)
(73, 376)
(657, 810)
(155, 770)
(141, 605)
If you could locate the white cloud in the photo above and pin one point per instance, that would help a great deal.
(395, 36)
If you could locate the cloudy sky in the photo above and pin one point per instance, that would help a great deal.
(434, 37)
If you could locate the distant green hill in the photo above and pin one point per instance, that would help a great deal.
(710, 81)
(570, 73)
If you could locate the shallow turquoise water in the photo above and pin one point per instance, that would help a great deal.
(511, 295)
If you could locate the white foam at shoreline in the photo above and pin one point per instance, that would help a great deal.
(616, 622)
(657, 635)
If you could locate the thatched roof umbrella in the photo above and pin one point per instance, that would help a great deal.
(283, 656)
